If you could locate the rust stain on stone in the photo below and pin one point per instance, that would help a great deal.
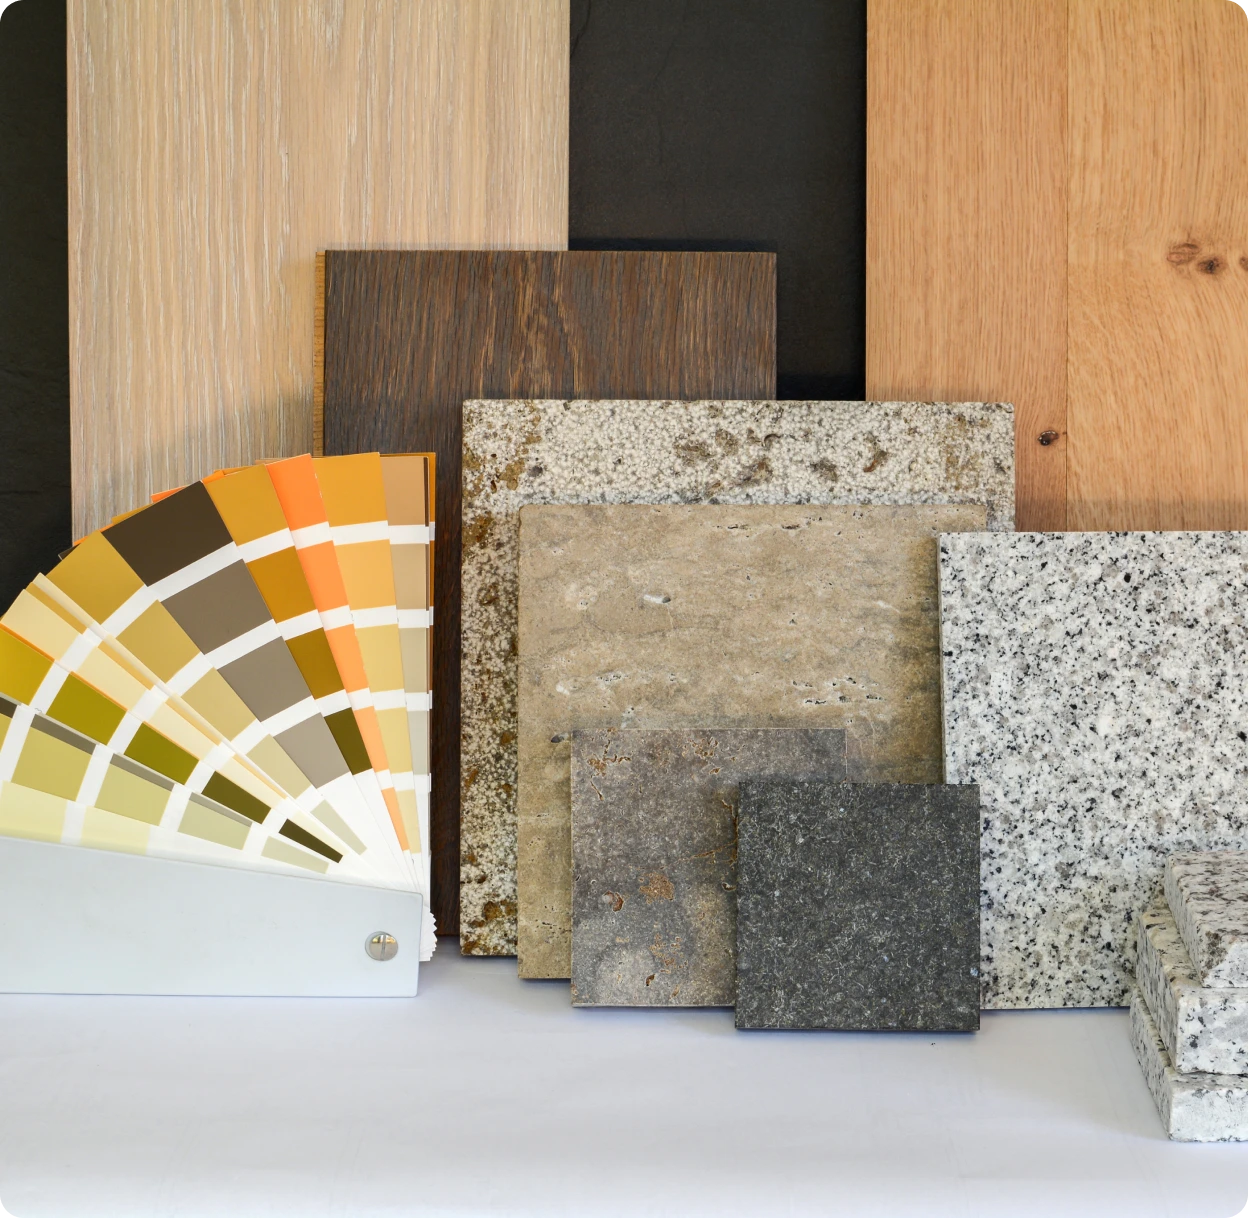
(657, 887)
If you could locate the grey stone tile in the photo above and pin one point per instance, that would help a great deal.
(527, 452)
(717, 617)
(1193, 1107)
(654, 849)
(1208, 894)
(1094, 689)
(1204, 1030)
(857, 906)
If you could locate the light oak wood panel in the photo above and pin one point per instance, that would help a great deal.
(214, 148)
(966, 219)
(1158, 264)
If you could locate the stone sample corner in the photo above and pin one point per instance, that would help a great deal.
(717, 617)
(1208, 895)
(1093, 688)
(654, 849)
(743, 452)
(858, 906)
(1193, 1107)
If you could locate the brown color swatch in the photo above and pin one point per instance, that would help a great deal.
(169, 535)
(219, 608)
(409, 336)
(268, 680)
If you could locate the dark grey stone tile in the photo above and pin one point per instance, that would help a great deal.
(654, 855)
(858, 906)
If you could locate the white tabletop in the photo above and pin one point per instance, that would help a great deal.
(491, 1096)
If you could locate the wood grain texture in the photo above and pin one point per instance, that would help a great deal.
(1158, 264)
(410, 336)
(966, 219)
(214, 148)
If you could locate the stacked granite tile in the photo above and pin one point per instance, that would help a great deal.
(1189, 1008)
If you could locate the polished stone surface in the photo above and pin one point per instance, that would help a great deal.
(1192, 1107)
(1204, 1030)
(654, 851)
(717, 617)
(1208, 894)
(1094, 688)
(525, 452)
(858, 906)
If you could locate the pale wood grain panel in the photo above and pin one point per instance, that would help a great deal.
(214, 148)
(1158, 264)
(966, 218)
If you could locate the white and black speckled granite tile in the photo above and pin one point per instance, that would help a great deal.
(1193, 1107)
(654, 856)
(551, 452)
(1095, 688)
(1208, 895)
(858, 906)
(1204, 1030)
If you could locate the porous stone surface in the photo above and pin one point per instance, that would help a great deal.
(1094, 688)
(857, 906)
(529, 452)
(717, 617)
(1193, 1107)
(1208, 895)
(654, 850)
(1203, 1029)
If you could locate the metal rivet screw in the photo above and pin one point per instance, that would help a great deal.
(382, 946)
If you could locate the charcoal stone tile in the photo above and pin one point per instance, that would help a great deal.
(654, 846)
(858, 906)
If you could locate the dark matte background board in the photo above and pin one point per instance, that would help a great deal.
(410, 335)
(34, 294)
(733, 124)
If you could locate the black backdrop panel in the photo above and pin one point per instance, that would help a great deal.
(733, 124)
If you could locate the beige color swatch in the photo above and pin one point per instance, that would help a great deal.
(718, 617)
(215, 148)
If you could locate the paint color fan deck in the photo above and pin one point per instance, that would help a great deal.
(236, 674)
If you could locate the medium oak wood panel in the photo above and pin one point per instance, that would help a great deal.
(409, 336)
(966, 219)
(1158, 264)
(215, 148)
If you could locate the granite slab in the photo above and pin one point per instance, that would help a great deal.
(529, 452)
(1204, 1030)
(1208, 895)
(857, 906)
(1193, 1107)
(717, 617)
(1094, 689)
(654, 855)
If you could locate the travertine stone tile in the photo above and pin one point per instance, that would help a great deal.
(1094, 689)
(527, 452)
(717, 617)
(1193, 1107)
(858, 906)
(654, 849)
(1208, 895)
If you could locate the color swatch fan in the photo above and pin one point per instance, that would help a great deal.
(236, 675)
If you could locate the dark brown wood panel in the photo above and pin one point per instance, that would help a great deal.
(410, 335)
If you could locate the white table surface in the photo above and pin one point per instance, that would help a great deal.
(491, 1096)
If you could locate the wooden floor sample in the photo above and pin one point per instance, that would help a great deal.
(1058, 217)
(966, 219)
(409, 336)
(214, 149)
(1158, 264)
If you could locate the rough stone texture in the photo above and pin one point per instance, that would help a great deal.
(858, 906)
(1208, 895)
(524, 452)
(1094, 688)
(717, 617)
(1204, 1030)
(654, 851)
(1193, 1107)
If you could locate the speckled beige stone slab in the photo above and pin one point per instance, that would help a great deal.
(550, 452)
(717, 617)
